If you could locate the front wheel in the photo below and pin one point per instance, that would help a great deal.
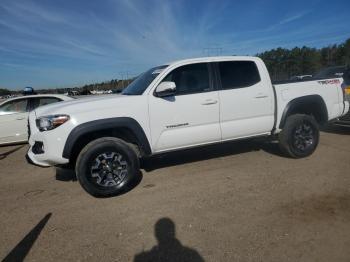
(300, 136)
(106, 167)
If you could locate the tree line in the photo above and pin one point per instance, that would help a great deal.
(114, 84)
(4, 92)
(284, 63)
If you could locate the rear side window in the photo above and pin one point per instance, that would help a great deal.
(238, 74)
(190, 79)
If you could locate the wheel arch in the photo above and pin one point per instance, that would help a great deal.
(311, 105)
(125, 128)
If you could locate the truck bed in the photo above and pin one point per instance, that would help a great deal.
(328, 89)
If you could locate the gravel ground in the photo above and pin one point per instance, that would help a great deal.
(233, 202)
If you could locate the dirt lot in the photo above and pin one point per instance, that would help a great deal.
(234, 202)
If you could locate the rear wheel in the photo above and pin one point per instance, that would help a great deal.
(106, 166)
(300, 136)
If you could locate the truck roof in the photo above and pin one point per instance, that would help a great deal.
(213, 59)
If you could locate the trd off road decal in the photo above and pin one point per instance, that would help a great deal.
(331, 82)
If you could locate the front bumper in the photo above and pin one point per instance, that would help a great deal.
(51, 142)
(50, 157)
(30, 157)
(30, 161)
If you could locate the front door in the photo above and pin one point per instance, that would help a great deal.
(191, 116)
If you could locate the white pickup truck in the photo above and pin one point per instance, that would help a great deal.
(183, 104)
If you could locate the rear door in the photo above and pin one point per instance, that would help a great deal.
(13, 121)
(246, 100)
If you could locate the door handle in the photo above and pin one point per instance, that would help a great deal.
(209, 102)
(261, 96)
(20, 118)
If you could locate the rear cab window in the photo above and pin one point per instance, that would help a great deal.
(238, 74)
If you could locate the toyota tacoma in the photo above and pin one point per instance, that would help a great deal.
(179, 105)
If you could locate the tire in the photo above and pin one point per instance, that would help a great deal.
(106, 167)
(300, 136)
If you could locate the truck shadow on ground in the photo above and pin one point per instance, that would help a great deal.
(20, 251)
(208, 152)
(6, 154)
(68, 175)
(339, 130)
(169, 248)
(65, 174)
(187, 156)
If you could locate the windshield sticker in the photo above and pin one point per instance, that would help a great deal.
(157, 71)
(331, 82)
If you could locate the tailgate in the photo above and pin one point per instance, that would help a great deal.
(346, 85)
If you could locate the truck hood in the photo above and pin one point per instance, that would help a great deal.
(86, 104)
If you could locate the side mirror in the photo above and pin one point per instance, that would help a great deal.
(166, 89)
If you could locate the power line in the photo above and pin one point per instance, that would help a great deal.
(212, 51)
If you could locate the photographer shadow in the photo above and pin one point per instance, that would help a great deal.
(169, 248)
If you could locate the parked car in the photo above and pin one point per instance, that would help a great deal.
(14, 115)
(301, 77)
(330, 72)
(184, 104)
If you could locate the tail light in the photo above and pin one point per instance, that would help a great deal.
(346, 92)
(346, 89)
(346, 85)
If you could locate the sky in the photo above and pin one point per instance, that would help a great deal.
(67, 43)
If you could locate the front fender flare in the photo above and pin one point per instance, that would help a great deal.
(105, 124)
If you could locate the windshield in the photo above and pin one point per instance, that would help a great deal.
(139, 85)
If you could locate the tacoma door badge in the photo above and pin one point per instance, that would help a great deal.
(177, 125)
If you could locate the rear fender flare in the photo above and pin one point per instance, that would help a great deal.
(296, 104)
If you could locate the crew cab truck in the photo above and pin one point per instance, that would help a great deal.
(183, 104)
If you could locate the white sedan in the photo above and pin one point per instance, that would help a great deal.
(14, 114)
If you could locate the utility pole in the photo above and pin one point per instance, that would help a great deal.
(124, 76)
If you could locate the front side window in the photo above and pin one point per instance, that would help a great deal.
(190, 79)
(17, 106)
(238, 74)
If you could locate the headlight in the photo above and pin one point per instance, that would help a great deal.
(51, 122)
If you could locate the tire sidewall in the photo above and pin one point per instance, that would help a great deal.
(292, 123)
(89, 154)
